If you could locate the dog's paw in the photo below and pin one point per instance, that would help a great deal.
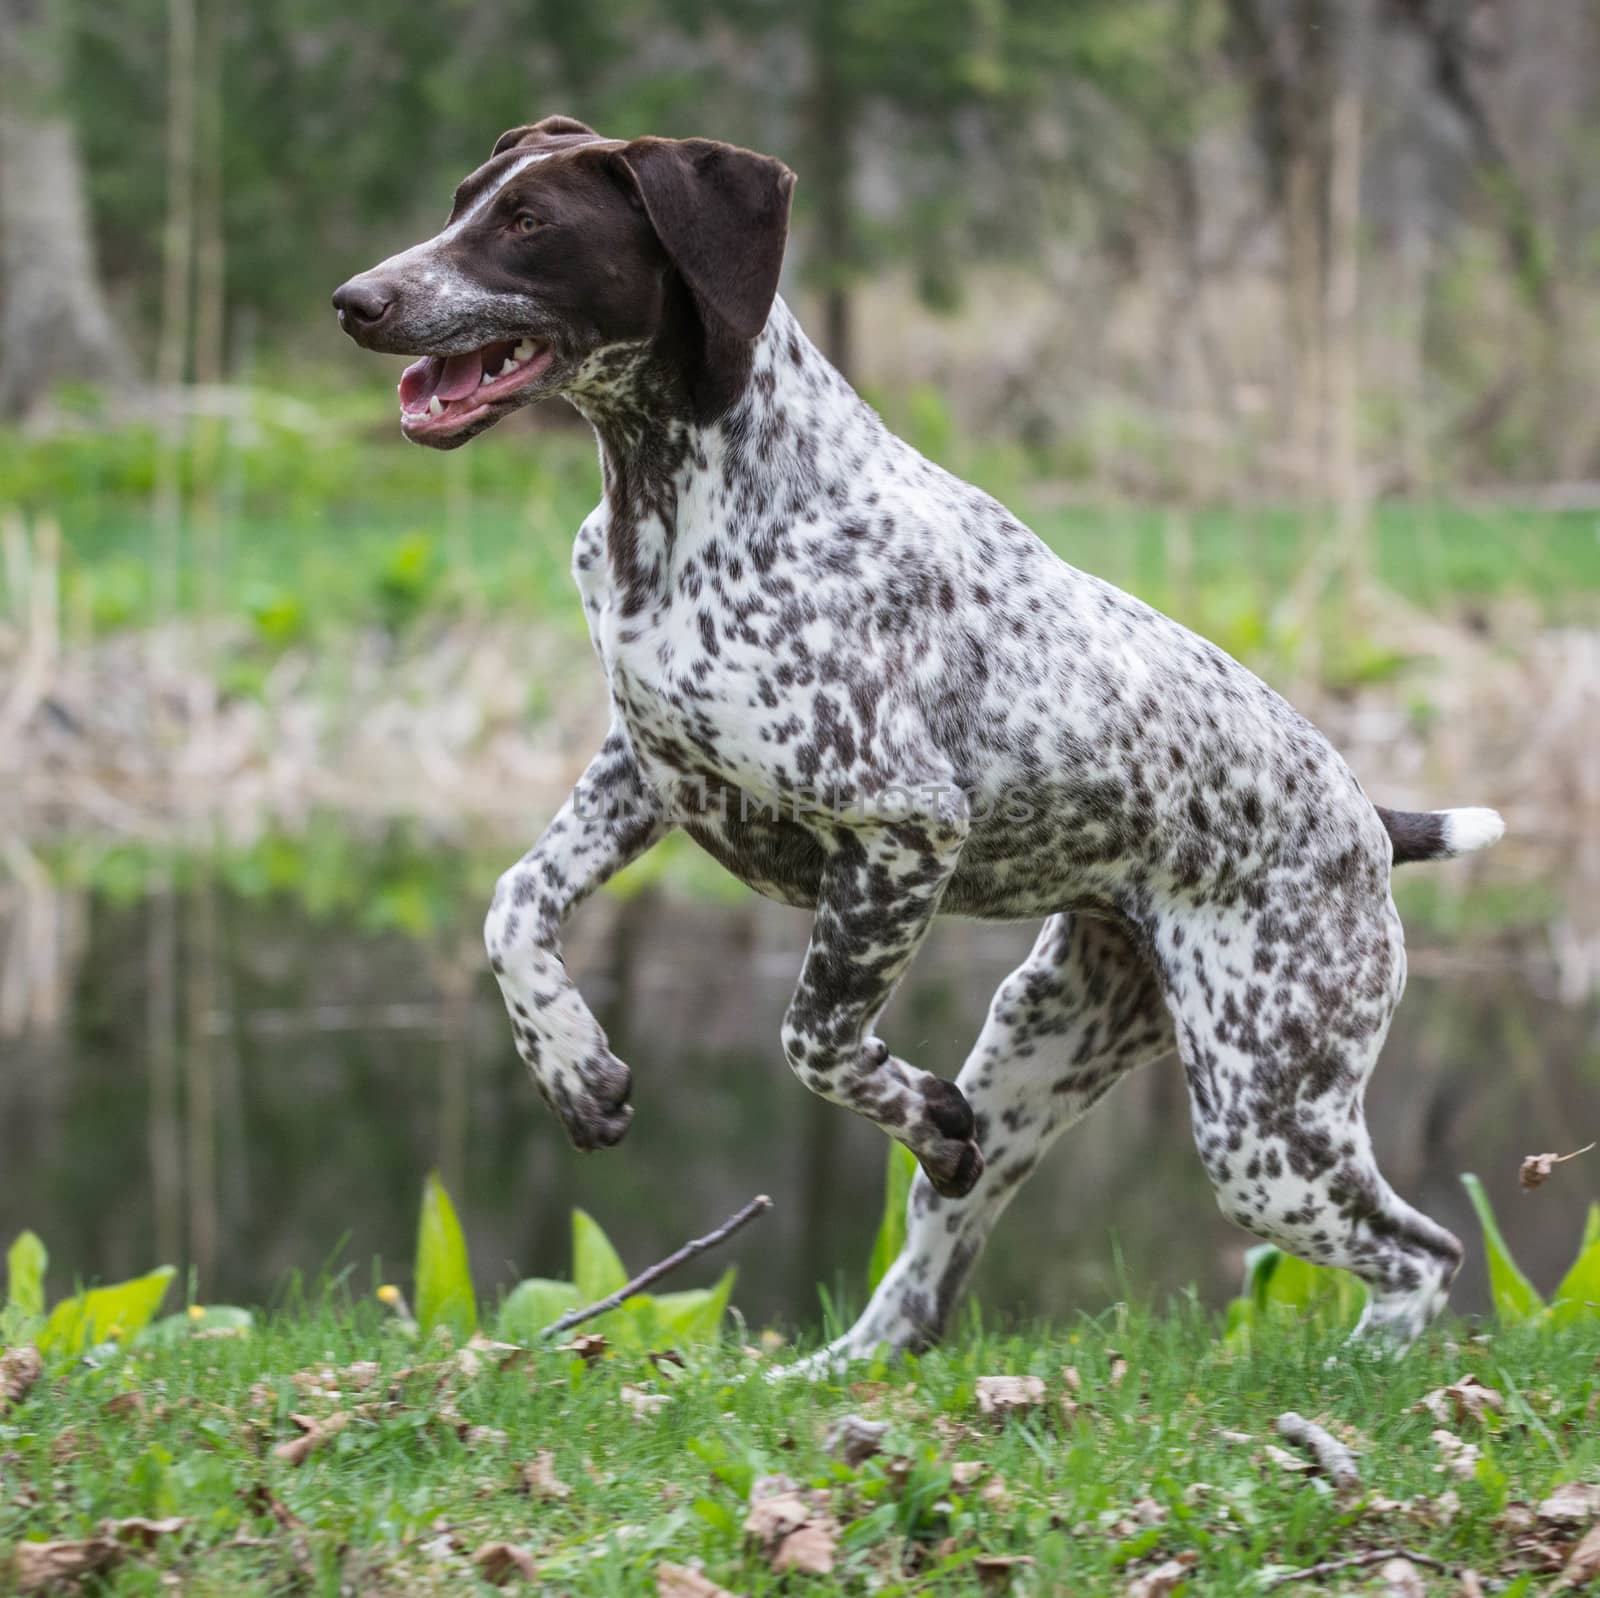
(950, 1154)
(593, 1102)
(953, 1168)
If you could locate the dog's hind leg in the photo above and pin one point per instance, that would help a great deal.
(1082, 1011)
(1277, 1044)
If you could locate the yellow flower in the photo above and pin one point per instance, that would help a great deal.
(389, 1294)
(197, 1312)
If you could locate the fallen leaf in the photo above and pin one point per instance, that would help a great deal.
(1160, 1581)
(964, 1472)
(776, 1509)
(588, 1348)
(1119, 1367)
(854, 1440)
(809, 1549)
(315, 1433)
(137, 1529)
(644, 1405)
(538, 1477)
(1460, 1459)
(1537, 1168)
(1069, 1374)
(1574, 1501)
(1284, 1460)
(1583, 1563)
(679, 1581)
(497, 1563)
(1005, 1395)
(1471, 1587)
(41, 1565)
(1401, 1579)
(996, 1570)
(1464, 1399)
(20, 1368)
(667, 1361)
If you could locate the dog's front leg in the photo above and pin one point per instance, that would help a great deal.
(611, 817)
(879, 892)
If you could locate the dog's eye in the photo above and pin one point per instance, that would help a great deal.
(524, 222)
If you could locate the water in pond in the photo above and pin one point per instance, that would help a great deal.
(321, 1067)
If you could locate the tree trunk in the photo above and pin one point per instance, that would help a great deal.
(54, 321)
(830, 167)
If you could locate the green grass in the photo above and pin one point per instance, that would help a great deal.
(399, 1499)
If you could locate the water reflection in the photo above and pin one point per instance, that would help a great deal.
(271, 1088)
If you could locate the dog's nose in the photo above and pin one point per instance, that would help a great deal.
(362, 304)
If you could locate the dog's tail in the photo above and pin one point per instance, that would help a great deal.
(1439, 834)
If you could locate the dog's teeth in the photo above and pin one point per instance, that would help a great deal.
(435, 406)
(486, 378)
(524, 350)
(509, 367)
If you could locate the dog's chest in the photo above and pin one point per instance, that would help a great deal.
(683, 665)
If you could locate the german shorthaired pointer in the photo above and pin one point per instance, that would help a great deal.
(867, 689)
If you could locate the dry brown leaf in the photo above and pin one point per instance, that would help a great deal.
(20, 1368)
(1573, 1502)
(136, 1529)
(1460, 1459)
(1583, 1563)
(643, 1405)
(124, 1404)
(1464, 1399)
(1160, 1581)
(1007, 1395)
(679, 1581)
(1471, 1586)
(776, 1509)
(38, 1566)
(996, 1570)
(588, 1348)
(497, 1563)
(810, 1549)
(1069, 1374)
(854, 1440)
(315, 1433)
(538, 1477)
(964, 1472)
(1119, 1367)
(1284, 1460)
(1537, 1168)
(1401, 1579)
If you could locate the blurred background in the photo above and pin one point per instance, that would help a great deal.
(1284, 314)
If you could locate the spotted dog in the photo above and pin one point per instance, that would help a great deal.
(867, 689)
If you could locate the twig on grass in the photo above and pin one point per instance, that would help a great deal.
(759, 1205)
(1377, 1556)
(1336, 1461)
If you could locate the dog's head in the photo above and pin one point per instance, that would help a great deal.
(562, 245)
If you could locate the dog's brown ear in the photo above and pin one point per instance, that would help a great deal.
(538, 132)
(722, 215)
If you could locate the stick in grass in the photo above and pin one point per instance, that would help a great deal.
(1336, 1461)
(699, 1245)
(1378, 1556)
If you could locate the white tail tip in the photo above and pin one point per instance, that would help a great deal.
(1466, 830)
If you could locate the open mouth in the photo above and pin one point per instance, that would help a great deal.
(441, 394)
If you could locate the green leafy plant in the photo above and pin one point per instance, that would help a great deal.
(1278, 1284)
(1516, 1299)
(115, 1315)
(446, 1297)
(901, 1167)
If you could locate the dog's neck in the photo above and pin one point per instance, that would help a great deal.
(658, 446)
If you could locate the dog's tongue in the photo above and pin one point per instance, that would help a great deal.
(460, 375)
(420, 382)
